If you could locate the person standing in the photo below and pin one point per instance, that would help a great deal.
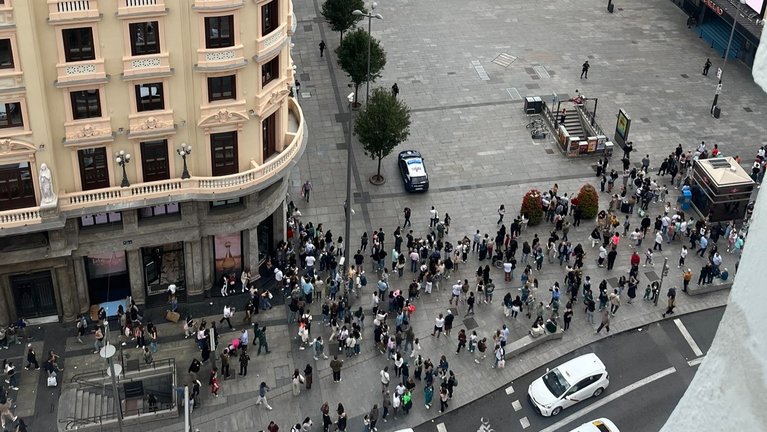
(273, 427)
(326, 421)
(461, 341)
(322, 48)
(585, 69)
(31, 358)
(433, 217)
(439, 325)
(605, 321)
(443, 398)
(686, 278)
(568, 315)
(308, 376)
(306, 190)
(335, 366)
(671, 301)
(244, 360)
(706, 67)
(395, 90)
(563, 116)
(501, 213)
(385, 378)
(296, 382)
(615, 302)
(682, 256)
(341, 422)
(373, 417)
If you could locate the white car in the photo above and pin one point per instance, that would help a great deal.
(598, 425)
(568, 384)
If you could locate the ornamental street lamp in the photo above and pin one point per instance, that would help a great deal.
(123, 159)
(720, 72)
(184, 151)
(348, 203)
(370, 17)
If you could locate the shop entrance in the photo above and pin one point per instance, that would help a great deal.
(107, 275)
(163, 265)
(34, 294)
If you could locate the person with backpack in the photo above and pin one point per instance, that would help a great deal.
(82, 326)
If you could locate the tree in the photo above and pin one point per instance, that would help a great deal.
(532, 207)
(353, 58)
(338, 13)
(382, 126)
(588, 201)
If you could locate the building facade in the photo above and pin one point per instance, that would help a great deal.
(142, 143)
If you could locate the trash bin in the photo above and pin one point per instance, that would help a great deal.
(685, 200)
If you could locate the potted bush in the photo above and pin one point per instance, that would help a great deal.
(588, 201)
(532, 207)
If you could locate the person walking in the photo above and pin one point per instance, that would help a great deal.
(296, 382)
(615, 301)
(686, 278)
(443, 398)
(373, 418)
(395, 90)
(706, 66)
(306, 190)
(501, 213)
(461, 341)
(308, 372)
(226, 316)
(322, 48)
(244, 360)
(335, 366)
(671, 301)
(31, 358)
(341, 422)
(605, 321)
(326, 421)
(585, 69)
(261, 336)
(682, 256)
(406, 212)
(385, 379)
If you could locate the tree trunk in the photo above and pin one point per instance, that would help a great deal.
(356, 90)
(379, 166)
(342, 38)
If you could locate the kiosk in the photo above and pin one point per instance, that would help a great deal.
(721, 189)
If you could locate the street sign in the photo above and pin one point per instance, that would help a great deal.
(719, 73)
(718, 88)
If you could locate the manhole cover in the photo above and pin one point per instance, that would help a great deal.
(644, 119)
(533, 86)
(308, 28)
(685, 76)
(470, 323)
(652, 276)
(305, 77)
(549, 151)
(747, 109)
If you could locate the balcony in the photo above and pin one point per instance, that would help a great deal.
(60, 11)
(153, 65)
(90, 131)
(6, 14)
(19, 218)
(77, 73)
(195, 188)
(217, 5)
(266, 46)
(223, 113)
(150, 124)
(220, 59)
(138, 8)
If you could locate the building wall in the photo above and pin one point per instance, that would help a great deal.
(47, 234)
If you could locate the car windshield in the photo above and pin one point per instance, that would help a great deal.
(555, 382)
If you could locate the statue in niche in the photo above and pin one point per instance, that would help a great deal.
(46, 185)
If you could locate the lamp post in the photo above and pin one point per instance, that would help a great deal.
(123, 159)
(184, 151)
(720, 72)
(107, 352)
(348, 206)
(370, 17)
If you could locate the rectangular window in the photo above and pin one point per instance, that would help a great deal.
(16, 187)
(101, 219)
(219, 31)
(149, 97)
(270, 71)
(159, 210)
(269, 17)
(6, 54)
(10, 115)
(85, 104)
(269, 135)
(78, 44)
(154, 160)
(220, 88)
(144, 38)
(233, 202)
(94, 173)
(223, 147)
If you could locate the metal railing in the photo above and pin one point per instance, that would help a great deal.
(72, 423)
(88, 378)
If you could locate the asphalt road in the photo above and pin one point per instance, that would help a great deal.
(659, 350)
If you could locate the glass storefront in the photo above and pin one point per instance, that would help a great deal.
(227, 250)
(163, 265)
(107, 276)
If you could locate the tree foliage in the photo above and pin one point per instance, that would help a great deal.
(382, 125)
(338, 13)
(353, 58)
(588, 201)
(532, 207)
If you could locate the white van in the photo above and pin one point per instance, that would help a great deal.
(598, 425)
(568, 384)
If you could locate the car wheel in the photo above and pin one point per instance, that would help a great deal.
(598, 392)
(556, 411)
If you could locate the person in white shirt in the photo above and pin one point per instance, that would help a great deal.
(439, 325)
(227, 316)
(682, 256)
(310, 264)
(385, 379)
(434, 217)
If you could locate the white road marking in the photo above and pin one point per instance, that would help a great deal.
(695, 361)
(604, 401)
(441, 427)
(490, 153)
(509, 390)
(516, 405)
(688, 337)
(524, 422)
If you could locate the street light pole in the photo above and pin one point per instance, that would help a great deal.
(720, 72)
(348, 206)
(370, 17)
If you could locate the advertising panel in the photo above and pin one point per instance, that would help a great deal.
(757, 6)
(622, 127)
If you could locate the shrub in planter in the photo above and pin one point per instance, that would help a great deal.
(532, 207)
(588, 201)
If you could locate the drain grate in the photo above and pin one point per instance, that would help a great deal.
(470, 323)
(533, 86)
(644, 119)
(685, 76)
(541, 71)
(308, 28)
(514, 93)
(747, 109)
(549, 151)
(504, 59)
(480, 70)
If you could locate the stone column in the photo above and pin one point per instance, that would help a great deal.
(67, 293)
(280, 223)
(136, 276)
(251, 248)
(130, 221)
(193, 267)
(5, 305)
(81, 282)
(206, 244)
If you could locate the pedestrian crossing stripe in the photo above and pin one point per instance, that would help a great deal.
(509, 390)
(524, 422)
(516, 405)
(441, 428)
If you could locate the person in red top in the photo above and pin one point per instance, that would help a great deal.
(635, 259)
(272, 427)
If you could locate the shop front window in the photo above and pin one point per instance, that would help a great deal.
(163, 265)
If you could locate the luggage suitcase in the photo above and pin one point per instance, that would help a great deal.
(172, 316)
(625, 207)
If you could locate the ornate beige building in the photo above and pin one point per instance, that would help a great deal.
(196, 92)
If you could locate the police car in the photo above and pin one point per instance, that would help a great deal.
(413, 171)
